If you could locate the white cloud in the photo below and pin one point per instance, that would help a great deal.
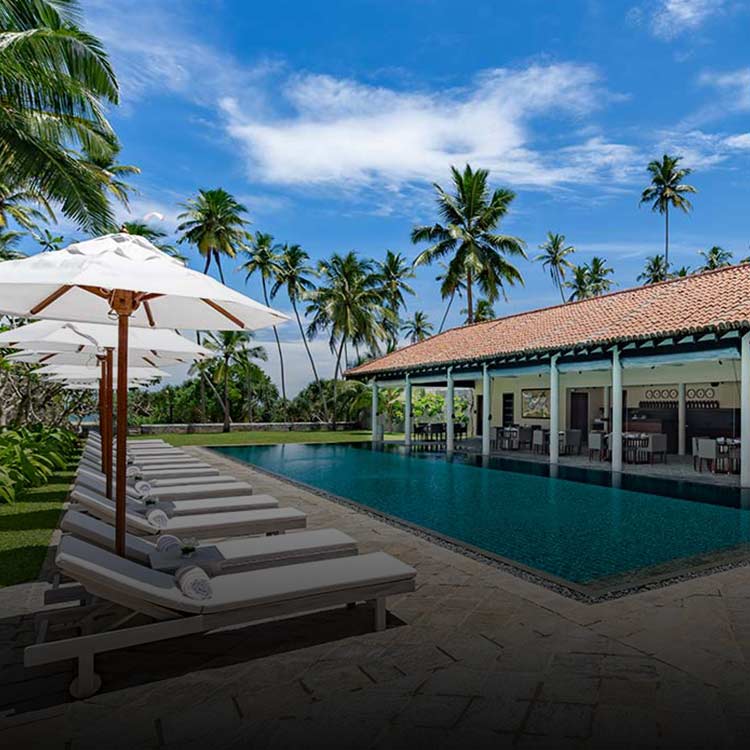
(671, 18)
(734, 85)
(341, 132)
(741, 141)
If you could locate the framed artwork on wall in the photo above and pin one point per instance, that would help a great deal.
(535, 403)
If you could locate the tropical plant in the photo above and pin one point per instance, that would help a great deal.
(213, 222)
(482, 312)
(451, 284)
(8, 242)
(55, 79)
(293, 274)
(18, 204)
(468, 236)
(580, 283)
(716, 257)
(394, 272)
(417, 328)
(555, 259)
(48, 241)
(264, 259)
(681, 272)
(349, 305)
(110, 173)
(654, 271)
(667, 189)
(590, 279)
(232, 348)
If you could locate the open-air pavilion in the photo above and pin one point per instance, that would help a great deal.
(652, 374)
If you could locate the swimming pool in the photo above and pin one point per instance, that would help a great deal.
(575, 530)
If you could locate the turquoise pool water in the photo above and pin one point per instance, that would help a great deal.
(572, 529)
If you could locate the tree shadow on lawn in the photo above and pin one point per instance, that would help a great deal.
(31, 520)
(21, 564)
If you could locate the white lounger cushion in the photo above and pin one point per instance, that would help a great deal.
(108, 575)
(172, 471)
(261, 551)
(205, 525)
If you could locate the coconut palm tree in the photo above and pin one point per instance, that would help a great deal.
(468, 235)
(214, 223)
(417, 328)
(232, 347)
(8, 242)
(18, 204)
(55, 80)
(110, 173)
(348, 304)
(667, 189)
(264, 259)
(48, 241)
(681, 272)
(482, 312)
(654, 271)
(555, 259)
(451, 284)
(155, 236)
(599, 274)
(293, 274)
(716, 257)
(394, 271)
(580, 283)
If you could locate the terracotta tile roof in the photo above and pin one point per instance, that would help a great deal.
(708, 301)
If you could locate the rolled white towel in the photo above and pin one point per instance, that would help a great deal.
(168, 543)
(194, 582)
(143, 488)
(134, 472)
(157, 518)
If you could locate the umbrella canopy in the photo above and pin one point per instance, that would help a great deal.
(90, 385)
(124, 278)
(136, 358)
(82, 372)
(80, 281)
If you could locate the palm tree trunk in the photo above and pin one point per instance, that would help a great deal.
(666, 240)
(227, 416)
(470, 318)
(335, 382)
(559, 282)
(278, 346)
(447, 310)
(208, 262)
(218, 264)
(305, 342)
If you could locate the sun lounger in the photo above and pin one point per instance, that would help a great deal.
(229, 488)
(190, 507)
(160, 472)
(235, 599)
(250, 553)
(209, 525)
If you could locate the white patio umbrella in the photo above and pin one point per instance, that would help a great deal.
(124, 278)
(93, 372)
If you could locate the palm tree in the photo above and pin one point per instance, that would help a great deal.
(55, 80)
(264, 259)
(681, 272)
(580, 284)
(716, 257)
(349, 305)
(598, 276)
(418, 328)
(8, 241)
(394, 272)
(14, 204)
(667, 189)
(110, 173)
(451, 284)
(231, 348)
(482, 312)
(293, 274)
(155, 236)
(213, 222)
(555, 259)
(48, 241)
(654, 271)
(468, 235)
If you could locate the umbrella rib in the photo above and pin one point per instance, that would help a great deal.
(149, 315)
(224, 312)
(47, 301)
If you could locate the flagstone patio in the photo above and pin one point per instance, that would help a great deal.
(476, 657)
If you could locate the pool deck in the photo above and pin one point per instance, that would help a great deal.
(476, 657)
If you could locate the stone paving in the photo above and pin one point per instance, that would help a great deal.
(476, 657)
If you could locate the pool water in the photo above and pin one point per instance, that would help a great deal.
(575, 530)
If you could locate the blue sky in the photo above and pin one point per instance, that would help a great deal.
(330, 120)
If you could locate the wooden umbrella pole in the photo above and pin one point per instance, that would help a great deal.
(124, 304)
(108, 420)
(102, 428)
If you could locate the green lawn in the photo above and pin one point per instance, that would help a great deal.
(261, 437)
(26, 527)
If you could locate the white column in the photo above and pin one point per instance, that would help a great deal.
(407, 411)
(486, 415)
(606, 404)
(681, 420)
(449, 408)
(616, 438)
(745, 411)
(554, 411)
(374, 414)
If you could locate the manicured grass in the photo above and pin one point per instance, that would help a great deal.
(265, 438)
(26, 527)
